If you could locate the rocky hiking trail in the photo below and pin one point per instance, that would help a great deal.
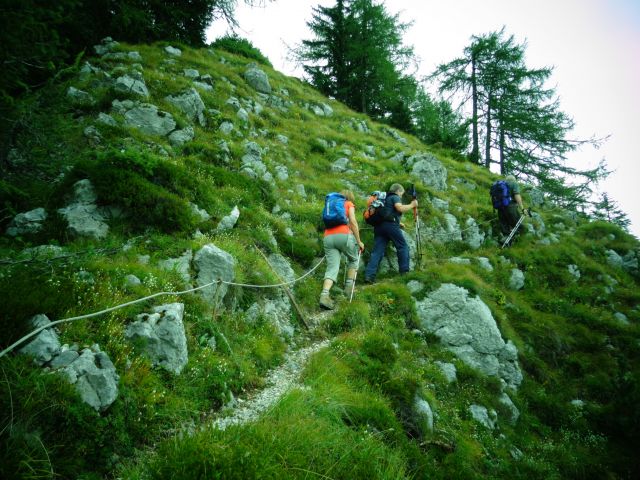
(278, 381)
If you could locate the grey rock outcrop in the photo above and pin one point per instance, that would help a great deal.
(179, 137)
(27, 222)
(93, 375)
(252, 164)
(466, 327)
(511, 411)
(340, 165)
(472, 235)
(45, 345)
(429, 170)
(229, 221)
(536, 197)
(487, 418)
(148, 119)
(257, 79)
(516, 280)
(132, 84)
(485, 264)
(282, 266)
(161, 337)
(448, 370)
(175, 52)
(106, 45)
(574, 271)
(276, 311)
(212, 263)
(423, 415)
(181, 265)
(79, 98)
(82, 215)
(191, 104)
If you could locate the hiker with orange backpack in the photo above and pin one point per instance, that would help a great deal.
(341, 236)
(388, 228)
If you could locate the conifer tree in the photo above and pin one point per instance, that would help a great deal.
(357, 56)
(520, 118)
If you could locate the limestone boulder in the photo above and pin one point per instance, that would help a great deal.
(161, 337)
(46, 345)
(83, 217)
(94, 377)
(257, 79)
(149, 120)
(191, 104)
(27, 222)
(429, 170)
(212, 263)
(465, 326)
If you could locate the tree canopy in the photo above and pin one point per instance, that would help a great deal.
(519, 118)
(357, 56)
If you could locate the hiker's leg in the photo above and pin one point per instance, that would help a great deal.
(332, 254)
(351, 252)
(395, 232)
(503, 217)
(379, 246)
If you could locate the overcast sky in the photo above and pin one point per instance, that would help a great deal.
(593, 46)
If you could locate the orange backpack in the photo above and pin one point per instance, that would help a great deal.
(376, 213)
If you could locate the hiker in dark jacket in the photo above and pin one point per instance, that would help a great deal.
(390, 230)
(342, 239)
(509, 215)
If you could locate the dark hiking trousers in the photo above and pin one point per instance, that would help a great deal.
(508, 217)
(382, 234)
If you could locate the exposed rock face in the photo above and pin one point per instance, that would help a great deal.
(91, 371)
(181, 264)
(190, 103)
(94, 376)
(161, 336)
(516, 281)
(45, 345)
(257, 79)
(276, 311)
(82, 215)
(423, 415)
(148, 119)
(480, 414)
(574, 271)
(179, 137)
(79, 98)
(176, 52)
(132, 84)
(472, 235)
(467, 328)
(429, 170)
(27, 222)
(229, 221)
(212, 263)
(448, 370)
(485, 264)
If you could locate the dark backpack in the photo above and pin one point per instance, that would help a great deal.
(377, 210)
(333, 213)
(500, 194)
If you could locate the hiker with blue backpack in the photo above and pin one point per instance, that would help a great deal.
(388, 228)
(506, 199)
(341, 236)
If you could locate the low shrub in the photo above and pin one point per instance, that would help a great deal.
(241, 46)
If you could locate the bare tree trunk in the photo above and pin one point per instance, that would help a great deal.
(501, 142)
(475, 150)
(487, 144)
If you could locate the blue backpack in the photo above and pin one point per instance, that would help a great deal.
(500, 194)
(334, 213)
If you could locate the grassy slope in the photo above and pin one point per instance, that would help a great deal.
(353, 418)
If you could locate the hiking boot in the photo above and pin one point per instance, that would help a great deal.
(369, 280)
(326, 302)
(349, 288)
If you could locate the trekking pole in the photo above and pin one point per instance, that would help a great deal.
(416, 219)
(513, 232)
(354, 277)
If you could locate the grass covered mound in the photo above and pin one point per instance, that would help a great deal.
(353, 411)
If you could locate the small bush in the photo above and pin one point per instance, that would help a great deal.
(348, 317)
(240, 46)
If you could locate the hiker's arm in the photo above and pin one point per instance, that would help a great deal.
(353, 224)
(405, 208)
(518, 198)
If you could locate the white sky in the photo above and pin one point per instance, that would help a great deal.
(593, 46)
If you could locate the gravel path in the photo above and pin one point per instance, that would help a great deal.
(279, 381)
